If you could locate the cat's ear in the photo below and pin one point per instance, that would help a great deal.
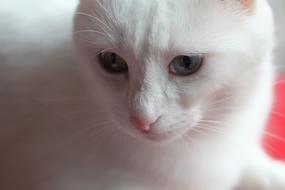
(247, 4)
(244, 4)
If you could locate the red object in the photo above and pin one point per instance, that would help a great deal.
(274, 139)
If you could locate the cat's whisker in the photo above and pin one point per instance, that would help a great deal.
(184, 141)
(201, 132)
(90, 31)
(222, 109)
(95, 19)
(92, 43)
(103, 26)
(188, 137)
(95, 125)
(102, 51)
(210, 127)
(108, 13)
(212, 133)
(61, 99)
(193, 141)
(102, 133)
(102, 138)
(95, 131)
(213, 122)
(222, 100)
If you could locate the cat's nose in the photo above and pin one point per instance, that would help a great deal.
(143, 124)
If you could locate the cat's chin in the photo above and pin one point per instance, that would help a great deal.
(159, 138)
(154, 138)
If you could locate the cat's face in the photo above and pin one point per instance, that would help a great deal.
(163, 68)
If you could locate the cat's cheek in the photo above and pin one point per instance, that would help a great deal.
(185, 102)
(192, 97)
(188, 101)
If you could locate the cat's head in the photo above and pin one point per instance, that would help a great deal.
(163, 68)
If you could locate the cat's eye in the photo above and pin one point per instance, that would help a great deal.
(113, 63)
(186, 65)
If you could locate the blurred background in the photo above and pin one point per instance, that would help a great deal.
(279, 14)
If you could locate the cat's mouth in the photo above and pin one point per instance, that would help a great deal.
(159, 132)
(165, 136)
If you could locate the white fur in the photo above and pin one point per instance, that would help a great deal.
(210, 125)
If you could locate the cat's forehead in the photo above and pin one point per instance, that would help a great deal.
(154, 25)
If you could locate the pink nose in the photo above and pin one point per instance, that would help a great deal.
(142, 124)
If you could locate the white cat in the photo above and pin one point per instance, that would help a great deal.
(180, 93)
(189, 83)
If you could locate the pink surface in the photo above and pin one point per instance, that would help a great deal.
(274, 139)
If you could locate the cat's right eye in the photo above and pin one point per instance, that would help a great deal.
(113, 63)
(186, 65)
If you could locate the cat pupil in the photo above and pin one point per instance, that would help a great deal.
(113, 58)
(187, 62)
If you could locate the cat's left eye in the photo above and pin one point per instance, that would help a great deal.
(186, 65)
(113, 63)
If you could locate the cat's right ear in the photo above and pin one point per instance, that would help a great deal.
(247, 4)
(244, 4)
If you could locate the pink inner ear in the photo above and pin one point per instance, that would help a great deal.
(246, 3)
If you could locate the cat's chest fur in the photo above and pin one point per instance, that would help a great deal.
(93, 164)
